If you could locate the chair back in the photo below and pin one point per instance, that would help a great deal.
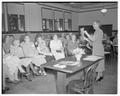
(90, 76)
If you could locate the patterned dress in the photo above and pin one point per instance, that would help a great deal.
(31, 52)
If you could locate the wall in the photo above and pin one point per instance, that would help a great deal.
(33, 18)
(14, 8)
(33, 21)
(110, 17)
(75, 21)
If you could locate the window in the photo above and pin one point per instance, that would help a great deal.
(16, 22)
(56, 20)
(21, 20)
(68, 21)
(3, 22)
(69, 24)
(12, 22)
(59, 25)
(47, 24)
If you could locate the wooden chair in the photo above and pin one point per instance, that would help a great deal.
(85, 86)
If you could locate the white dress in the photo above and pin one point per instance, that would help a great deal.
(17, 51)
(56, 49)
(12, 63)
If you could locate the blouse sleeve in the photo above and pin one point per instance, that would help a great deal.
(21, 52)
(51, 45)
(38, 49)
(60, 43)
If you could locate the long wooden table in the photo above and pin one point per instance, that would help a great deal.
(62, 72)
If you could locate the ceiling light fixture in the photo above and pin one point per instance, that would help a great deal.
(104, 10)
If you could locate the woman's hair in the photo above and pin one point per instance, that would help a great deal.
(37, 36)
(15, 39)
(22, 37)
(26, 36)
(67, 35)
(4, 38)
(54, 35)
(98, 22)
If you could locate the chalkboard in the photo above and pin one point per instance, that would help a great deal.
(107, 29)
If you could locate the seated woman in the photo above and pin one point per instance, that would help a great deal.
(63, 39)
(57, 48)
(16, 50)
(115, 40)
(6, 44)
(12, 63)
(83, 43)
(66, 40)
(107, 44)
(72, 44)
(31, 52)
(4, 76)
(115, 44)
(43, 49)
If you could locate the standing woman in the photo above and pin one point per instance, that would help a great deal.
(98, 48)
(57, 48)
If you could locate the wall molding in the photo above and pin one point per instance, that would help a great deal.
(20, 32)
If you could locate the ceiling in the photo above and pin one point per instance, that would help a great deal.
(90, 5)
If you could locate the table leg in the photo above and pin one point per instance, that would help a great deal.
(60, 83)
(91, 91)
(84, 74)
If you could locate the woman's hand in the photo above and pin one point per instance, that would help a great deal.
(85, 32)
(89, 36)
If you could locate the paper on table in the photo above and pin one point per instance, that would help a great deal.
(60, 66)
(69, 63)
(92, 58)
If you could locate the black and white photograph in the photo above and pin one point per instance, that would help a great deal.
(59, 47)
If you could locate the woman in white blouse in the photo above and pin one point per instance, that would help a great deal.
(57, 48)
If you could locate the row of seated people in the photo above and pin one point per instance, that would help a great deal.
(32, 55)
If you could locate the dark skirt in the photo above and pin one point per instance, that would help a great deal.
(49, 58)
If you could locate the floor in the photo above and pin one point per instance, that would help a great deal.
(46, 84)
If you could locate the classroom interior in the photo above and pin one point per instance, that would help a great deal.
(50, 18)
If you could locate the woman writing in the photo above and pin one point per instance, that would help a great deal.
(98, 48)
